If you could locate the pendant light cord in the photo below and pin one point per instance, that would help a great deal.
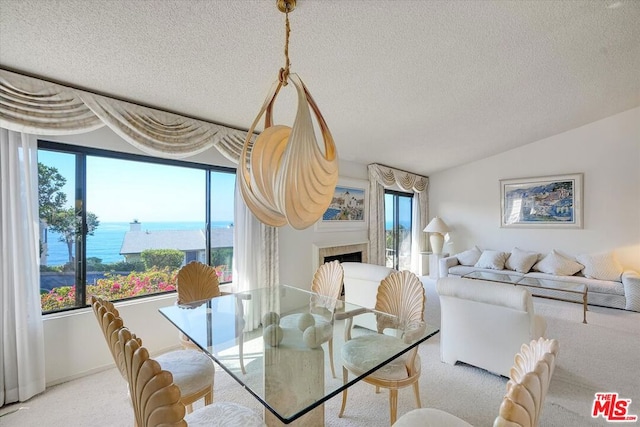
(284, 72)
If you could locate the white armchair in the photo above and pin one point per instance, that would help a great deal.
(485, 323)
(361, 281)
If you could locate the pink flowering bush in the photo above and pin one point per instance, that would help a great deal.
(114, 287)
(117, 286)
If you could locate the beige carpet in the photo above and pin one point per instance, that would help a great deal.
(602, 356)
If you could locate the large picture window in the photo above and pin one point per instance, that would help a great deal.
(120, 226)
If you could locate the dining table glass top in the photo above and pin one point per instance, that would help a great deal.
(281, 335)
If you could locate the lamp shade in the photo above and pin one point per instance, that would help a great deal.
(436, 225)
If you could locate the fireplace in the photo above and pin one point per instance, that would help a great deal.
(356, 252)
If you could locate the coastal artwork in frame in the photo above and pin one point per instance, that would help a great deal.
(348, 209)
(542, 202)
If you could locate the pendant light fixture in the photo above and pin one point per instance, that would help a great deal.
(285, 177)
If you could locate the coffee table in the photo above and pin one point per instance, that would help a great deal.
(541, 288)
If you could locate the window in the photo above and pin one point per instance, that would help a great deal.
(143, 218)
(397, 208)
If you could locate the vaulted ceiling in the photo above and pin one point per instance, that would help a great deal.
(418, 85)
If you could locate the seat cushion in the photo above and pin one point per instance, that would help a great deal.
(192, 370)
(223, 414)
(365, 352)
(429, 417)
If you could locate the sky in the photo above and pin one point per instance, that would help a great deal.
(122, 190)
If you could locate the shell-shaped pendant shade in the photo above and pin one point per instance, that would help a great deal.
(284, 175)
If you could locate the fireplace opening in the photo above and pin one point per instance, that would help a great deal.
(350, 257)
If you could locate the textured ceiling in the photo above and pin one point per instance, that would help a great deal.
(418, 85)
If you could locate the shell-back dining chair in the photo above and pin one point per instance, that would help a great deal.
(193, 371)
(526, 390)
(156, 399)
(402, 295)
(327, 285)
(197, 282)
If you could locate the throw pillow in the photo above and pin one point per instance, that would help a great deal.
(558, 265)
(469, 257)
(603, 266)
(521, 261)
(492, 259)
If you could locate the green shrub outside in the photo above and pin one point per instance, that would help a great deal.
(160, 258)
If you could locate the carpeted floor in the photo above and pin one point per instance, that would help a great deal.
(602, 356)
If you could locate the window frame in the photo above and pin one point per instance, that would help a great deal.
(81, 152)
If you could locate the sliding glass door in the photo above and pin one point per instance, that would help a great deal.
(397, 207)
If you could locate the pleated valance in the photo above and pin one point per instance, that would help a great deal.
(39, 107)
(381, 177)
(406, 181)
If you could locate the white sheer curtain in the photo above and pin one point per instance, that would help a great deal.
(381, 177)
(22, 345)
(255, 254)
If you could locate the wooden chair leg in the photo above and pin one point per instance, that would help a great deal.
(377, 389)
(416, 392)
(189, 408)
(345, 378)
(208, 398)
(393, 404)
(333, 370)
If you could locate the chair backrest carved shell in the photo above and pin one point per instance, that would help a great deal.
(197, 281)
(154, 396)
(327, 282)
(528, 385)
(110, 325)
(401, 294)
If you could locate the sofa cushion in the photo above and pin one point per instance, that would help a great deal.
(521, 261)
(492, 259)
(469, 257)
(603, 266)
(558, 265)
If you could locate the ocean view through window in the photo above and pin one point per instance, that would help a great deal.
(143, 218)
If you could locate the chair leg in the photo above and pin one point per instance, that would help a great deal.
(345, 378)
(416, 392)
(393, 404)
(208, 398)
(189, 408)
(377, 389)
(333, 370)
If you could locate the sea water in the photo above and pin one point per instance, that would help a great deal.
(108, 237)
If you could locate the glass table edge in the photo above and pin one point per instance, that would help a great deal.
(289, 419)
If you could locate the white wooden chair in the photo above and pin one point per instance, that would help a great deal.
(526, 390)
(193, 371)
(400, 294)
(156, 399)
(327, 284)
(197, 282)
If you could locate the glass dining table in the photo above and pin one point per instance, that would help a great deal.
(286, 368)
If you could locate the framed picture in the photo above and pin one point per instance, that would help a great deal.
(548, 202)
(349, 207)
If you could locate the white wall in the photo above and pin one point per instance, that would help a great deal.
(607, 152)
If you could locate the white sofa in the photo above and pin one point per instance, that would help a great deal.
(484, 324)
(622, 292)
(361, 281)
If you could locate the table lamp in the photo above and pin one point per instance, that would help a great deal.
(437, 228)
